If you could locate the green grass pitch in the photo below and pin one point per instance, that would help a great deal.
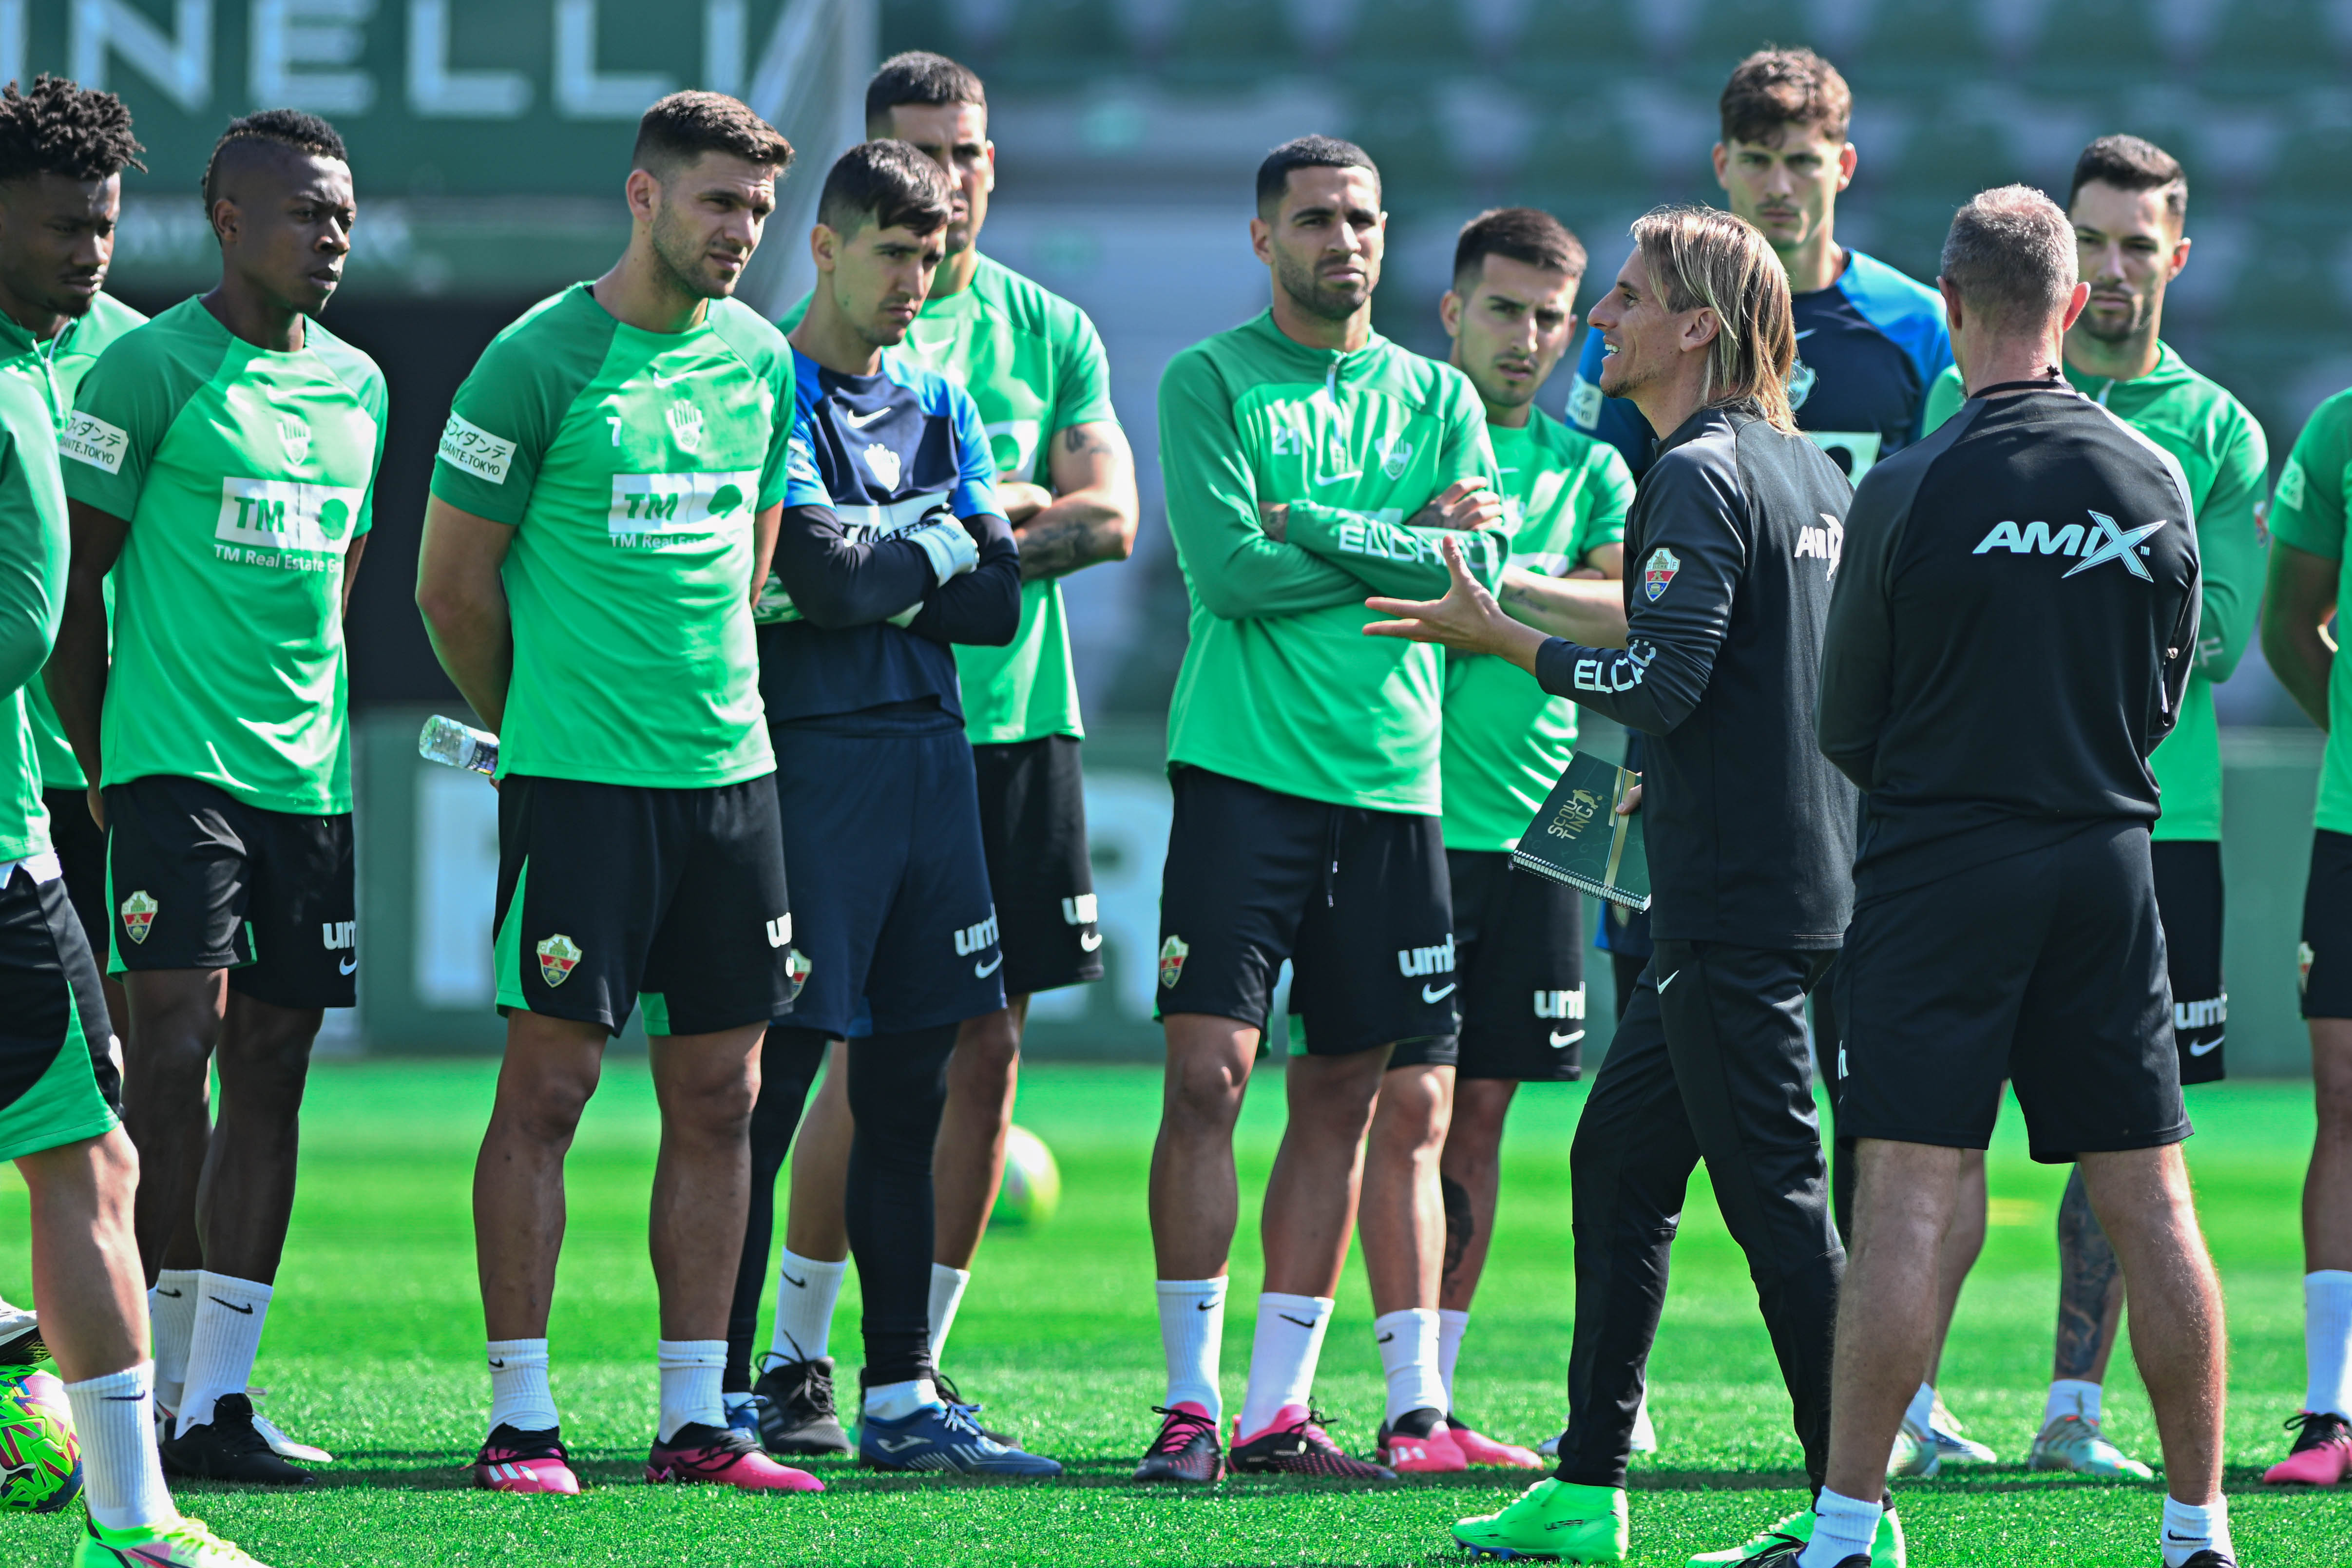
(375, 1351)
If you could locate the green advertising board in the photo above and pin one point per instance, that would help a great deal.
(490, 138)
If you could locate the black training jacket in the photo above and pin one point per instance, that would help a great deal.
(1729, 550)
(2013, 624)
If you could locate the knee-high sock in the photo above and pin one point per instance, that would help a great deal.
(898, 1088)
(789, 1060)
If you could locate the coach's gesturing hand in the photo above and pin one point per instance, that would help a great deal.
(1467, 618)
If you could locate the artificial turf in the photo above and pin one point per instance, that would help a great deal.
(374, 1351)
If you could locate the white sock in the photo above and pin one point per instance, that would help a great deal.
(2071, 1397)
(2327, 1341)
(114, 1420)
(519, 1396)
(171, 1315)
(1843, 1527)
(1922, 1409)
(2189, 1529)
(806, 1291)
(1451, 1326)
(1192, 1334)
(690, 1370)
(1408, 1343)
(1289, 1340)
(229, 1315)
(897, 1401)
(947, 1295)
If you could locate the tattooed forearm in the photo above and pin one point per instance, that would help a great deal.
(1461, 1222)
(2090, 1286)
(1071, 533)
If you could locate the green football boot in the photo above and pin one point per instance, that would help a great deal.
(1553, 1521)
(183, 1543)
(1885, 1549)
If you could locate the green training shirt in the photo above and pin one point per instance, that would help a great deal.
(2222, 450)
(53, 369)
(630, 464)
(245, 476)
(32, 598)
(1279, 686)
(2307, 511)
(1565, 495)
(1035, 364)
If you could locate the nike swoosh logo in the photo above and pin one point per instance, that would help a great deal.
(175, 1295)
(1089, 941)
(234, 1307)
(983, 971)
(496, 1365)
(897, 1445)
(1438, 995)
(2207, 1048)
(860, 421)
(1205, 1306)
(795, 1284)
(1669, 980)
(124, 1398)
(1560, 1040)
(348, 966)
(1288, 1319)
(1386, 1339)
(1808, 332)
(1339, 478)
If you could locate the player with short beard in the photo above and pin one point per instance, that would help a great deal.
(2128, 204)
(1304, 759)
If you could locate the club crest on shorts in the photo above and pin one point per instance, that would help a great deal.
(139, 913)
(1173, 953)
(1660, 571)
(2302, 965)
(796, 974)
(558, 956)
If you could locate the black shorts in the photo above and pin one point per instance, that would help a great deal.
(615, 894)
(80, 846)
(2044, 968)
(198, 879)
(2324, 960)
(883, 831)
(1032, 823)
(1356, 899)
(1520, 940)
(2188, 898)
(58, 1084)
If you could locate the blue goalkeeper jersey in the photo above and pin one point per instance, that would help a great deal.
(1869, 348)
(873, 458)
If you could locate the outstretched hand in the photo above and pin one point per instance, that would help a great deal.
(1467, 618)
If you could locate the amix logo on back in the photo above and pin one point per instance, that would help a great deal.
(2103, 542)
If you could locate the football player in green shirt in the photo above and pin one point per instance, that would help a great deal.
(221, 464)
(605, 500)
(1033, 364)
(2128, 202)
(62, 153)
(1305, 458)
(1519, 946)
(2308, 584)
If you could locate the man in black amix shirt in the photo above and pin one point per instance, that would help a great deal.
(2014, 622)
(1729, 552)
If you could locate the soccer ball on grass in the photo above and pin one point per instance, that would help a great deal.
(1033, 1182)
(40, 1462)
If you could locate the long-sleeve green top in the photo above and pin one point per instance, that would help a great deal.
(2221, 448)
(1279, 685)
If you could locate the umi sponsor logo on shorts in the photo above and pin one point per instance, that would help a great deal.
(1079, 909)
(470, 449)
(2205, 1014)
(796, 974)
(559, 956)
(779, 930)
(1173, 953)
(343, 937)
(656, 512)
(89, 440)
(138, 914)
(974, 939)
(1560, 1003)
(283, 522)
(1414, 963)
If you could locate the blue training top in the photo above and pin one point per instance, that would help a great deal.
(873, 458)
(1869, 346)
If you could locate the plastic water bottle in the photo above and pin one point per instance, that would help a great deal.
(457, 745)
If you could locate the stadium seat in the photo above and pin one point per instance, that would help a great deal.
(2086, 42)
(920, 25)
(1227, 42)
(1728, 30)
(1052, 43)
(1396, 42)
(2294, 281)
(1569, 49)
(2312, 165)
(1401, 132)
(1581, 151)
(2256, 45)
(1922, 41)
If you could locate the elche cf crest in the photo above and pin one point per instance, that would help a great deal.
(138, 914)
(1173, 953)
(559, 956)
(1659, 571)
